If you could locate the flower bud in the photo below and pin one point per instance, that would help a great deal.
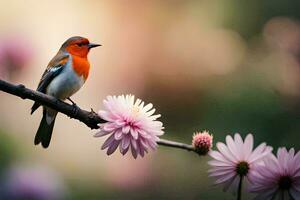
(202, 142)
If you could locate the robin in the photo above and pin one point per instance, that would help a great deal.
(64, 76)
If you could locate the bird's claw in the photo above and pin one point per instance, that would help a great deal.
(75, 109)
(58, 101)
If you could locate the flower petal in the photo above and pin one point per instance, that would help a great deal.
(112, 148)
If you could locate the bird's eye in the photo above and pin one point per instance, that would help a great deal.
(79, 44)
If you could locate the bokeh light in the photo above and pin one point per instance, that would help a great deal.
(221, 65)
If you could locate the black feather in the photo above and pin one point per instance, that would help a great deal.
(44, 132)
(47, 77)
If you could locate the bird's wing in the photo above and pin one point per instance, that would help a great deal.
(54, 67)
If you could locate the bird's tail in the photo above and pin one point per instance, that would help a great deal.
(44, 133)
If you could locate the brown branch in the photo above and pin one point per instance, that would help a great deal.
(89, 118)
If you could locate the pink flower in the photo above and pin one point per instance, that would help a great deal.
(278, 178)
(236, 160)
(130, 124)
(202, 142)
(32, 182)
(15, 54)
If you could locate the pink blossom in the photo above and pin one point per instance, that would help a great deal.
(202, 142)
(278, 178)
(130, 124)
(32, 182)
(15, 54)
(236, 159)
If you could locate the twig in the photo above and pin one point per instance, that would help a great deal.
(179, 145)
(90, 119)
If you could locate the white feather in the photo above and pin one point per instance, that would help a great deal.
(66, 83)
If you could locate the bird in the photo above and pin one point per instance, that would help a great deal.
(64, 76)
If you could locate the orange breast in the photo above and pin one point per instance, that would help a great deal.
(81, 66)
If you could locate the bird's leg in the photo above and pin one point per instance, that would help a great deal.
(75, 107)
(71, 101)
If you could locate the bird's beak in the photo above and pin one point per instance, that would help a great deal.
(91, 45)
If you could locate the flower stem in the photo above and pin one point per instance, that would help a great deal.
(174, 144)
(239, 196)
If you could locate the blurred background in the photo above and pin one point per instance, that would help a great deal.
(226, 66)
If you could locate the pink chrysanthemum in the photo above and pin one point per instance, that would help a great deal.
(130, 125)
(278, 178)
(202, 142)
(235, 160)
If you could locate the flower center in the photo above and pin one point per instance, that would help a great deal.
(285, 182)
(130, 123)
(135, 110)
(242, 168)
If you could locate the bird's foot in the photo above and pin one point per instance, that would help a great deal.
(75, 109)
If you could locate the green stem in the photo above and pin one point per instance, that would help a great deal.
(239, 196)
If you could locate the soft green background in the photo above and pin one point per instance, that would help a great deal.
(225, 66)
